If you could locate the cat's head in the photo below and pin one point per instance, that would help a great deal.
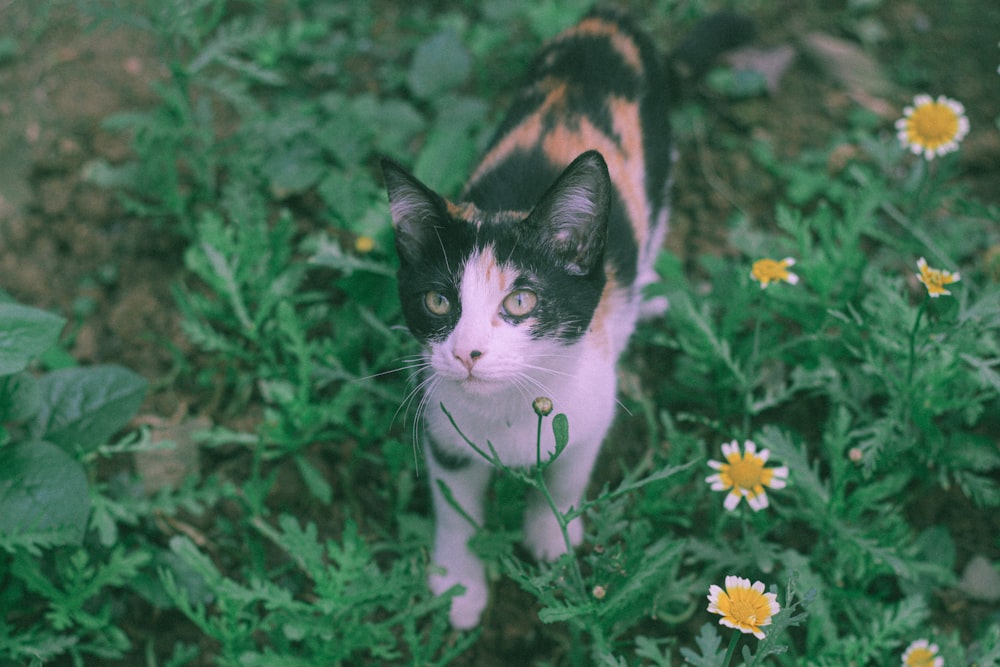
(494, 295)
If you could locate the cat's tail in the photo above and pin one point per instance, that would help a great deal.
(708, 39)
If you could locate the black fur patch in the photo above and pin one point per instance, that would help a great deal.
(447, 460)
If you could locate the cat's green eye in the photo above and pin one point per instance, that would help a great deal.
(520, 303)
(437, 303)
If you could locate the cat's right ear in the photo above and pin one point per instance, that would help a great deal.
(417, 211)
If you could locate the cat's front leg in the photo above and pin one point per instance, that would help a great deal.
(566, 479)
(453, 560)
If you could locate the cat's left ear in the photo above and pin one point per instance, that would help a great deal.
(571, 220)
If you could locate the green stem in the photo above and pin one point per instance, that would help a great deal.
(752, 371)
(538, 444)
(901, 219)
(731, 651)
(913, 342)
(550, 501)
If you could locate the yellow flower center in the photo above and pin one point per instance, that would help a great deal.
(936, 279)
(920, 657)
(745, 607)
(749, 472)
(933, 124)
(744, 612)
(766, 270)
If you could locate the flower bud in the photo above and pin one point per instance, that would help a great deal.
(542, 406)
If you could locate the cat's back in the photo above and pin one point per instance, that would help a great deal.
(600, 85)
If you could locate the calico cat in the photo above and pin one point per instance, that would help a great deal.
(531, 284)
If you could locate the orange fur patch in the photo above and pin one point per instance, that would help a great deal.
(625, 160)
(464, 210)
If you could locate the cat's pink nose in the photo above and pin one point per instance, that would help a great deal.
(469, 360)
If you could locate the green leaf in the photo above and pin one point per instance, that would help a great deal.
(987, 376)
(559, 611)
(450, 145)
(25, 333)
(19, 398)
(397, 122)
(44, 498)
(657, 567)
(710, 648)
(560, 429)
(294, 169)
(439, 64)
(315, 482)
(81, 408)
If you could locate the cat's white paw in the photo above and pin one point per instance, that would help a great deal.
(466, 608)
(544, 538)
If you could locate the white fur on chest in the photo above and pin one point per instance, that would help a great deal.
(584, 390)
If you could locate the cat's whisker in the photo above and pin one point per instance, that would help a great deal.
(623, 407)
(408, 363)
(430, 384)
(550, 371)
(537, 384)
(522, 387)
(414, 391)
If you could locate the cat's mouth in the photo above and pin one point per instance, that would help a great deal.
(479, 385)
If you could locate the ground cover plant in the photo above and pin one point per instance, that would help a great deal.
(807, 457)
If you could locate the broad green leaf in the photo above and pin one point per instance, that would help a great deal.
(450, 146)
(439, 64)
(294, 169)
(396, 122)
(25, 333)
(19, 398)
(81, 408)
(43, 495)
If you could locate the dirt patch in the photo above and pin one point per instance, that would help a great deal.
(66, 244)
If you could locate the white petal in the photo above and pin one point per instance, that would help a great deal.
(729, 624)
(758, 502)
(730, 448)
(732, 500)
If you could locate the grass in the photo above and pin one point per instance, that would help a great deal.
(261, 156)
